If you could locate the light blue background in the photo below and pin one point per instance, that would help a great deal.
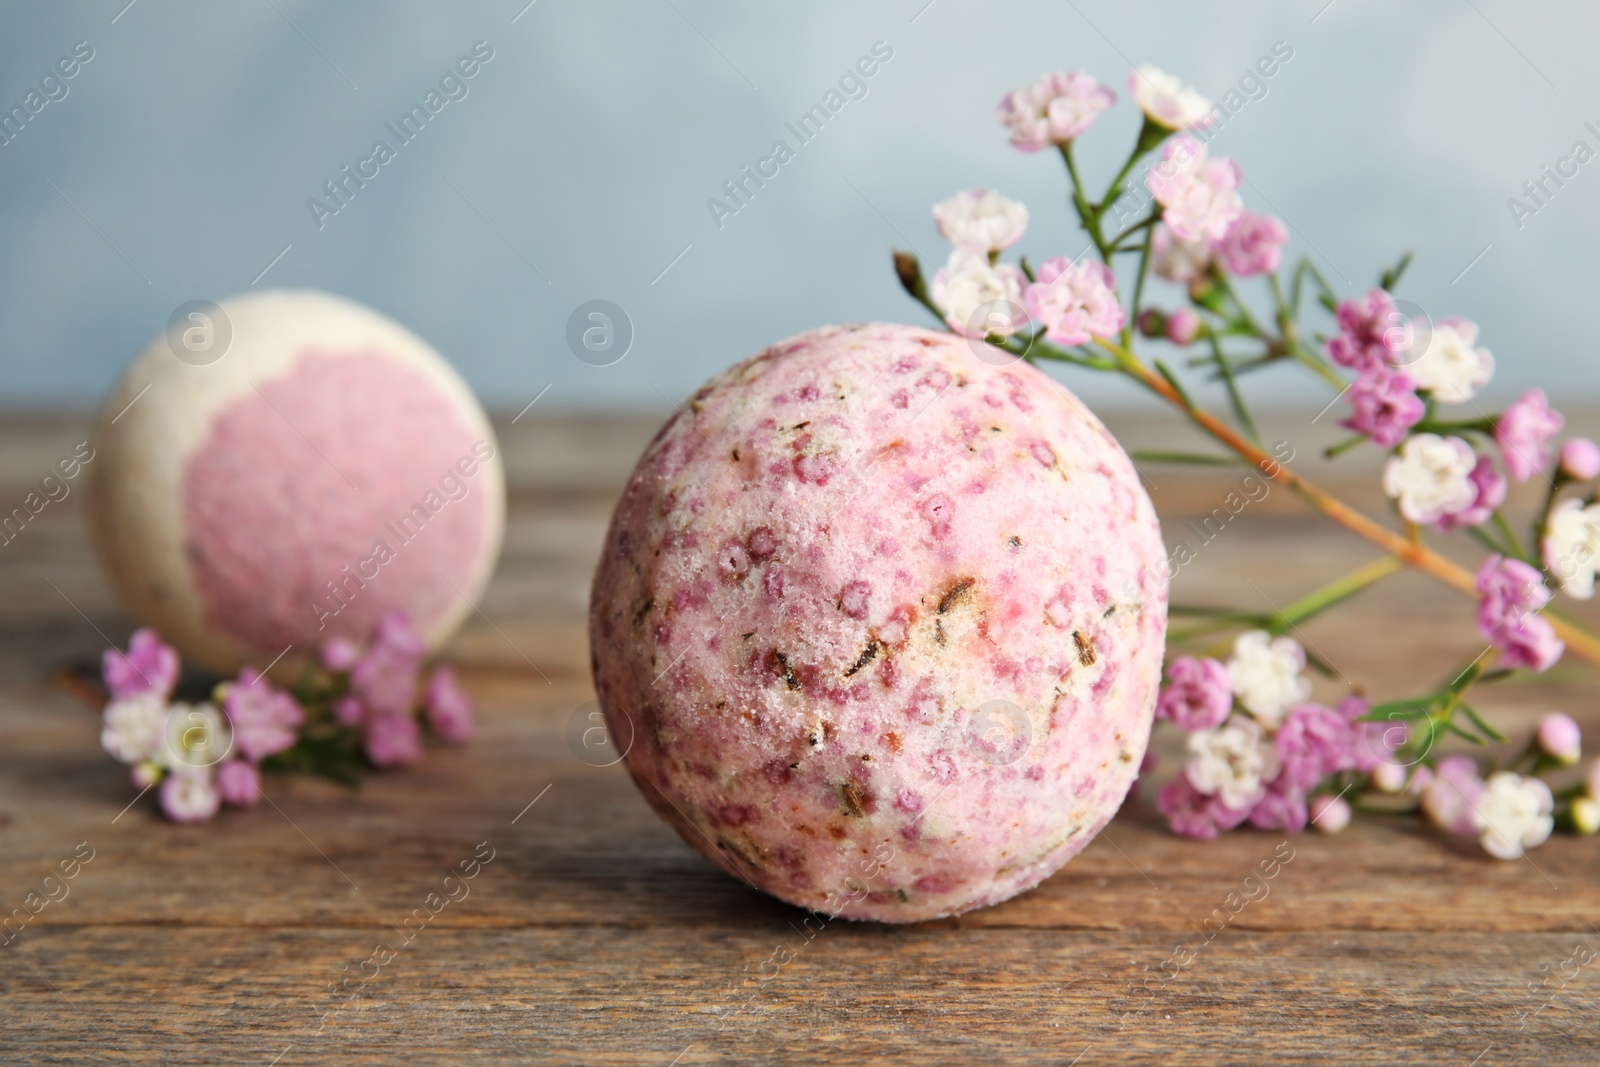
(593, 139)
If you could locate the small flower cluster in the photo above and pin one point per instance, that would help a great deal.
(204, 755)
(1260, 750)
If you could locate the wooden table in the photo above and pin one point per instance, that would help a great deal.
(595, 936)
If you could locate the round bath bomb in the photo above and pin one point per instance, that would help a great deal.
(880, 623)
(285, 468)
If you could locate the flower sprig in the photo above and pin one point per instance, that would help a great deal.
(360, 708)
(1260, 751)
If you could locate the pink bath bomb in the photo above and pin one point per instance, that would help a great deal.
(285, 469)
(880, 623)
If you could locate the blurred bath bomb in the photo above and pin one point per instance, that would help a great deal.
(285, 468)
(880, 623)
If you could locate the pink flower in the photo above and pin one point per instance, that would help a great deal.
(1075, 301)
(1491, 487)
(239, 783)
(1167, 102)
(1199, 197)
(1198, 694)
(1511, 593)
(189, 795)
(1253, 245)
(1190, 813)
(1370, 334)
(393, 740)
(448, 707)
(1183, 326)
(1449, 800)
(347, 711)
(265, 719)
(1580, 459)
(1053, 110)
(385, 679)
(1560, 737)
(1371, 743)
(1312, 743)
(1383, 405)
(1282, 808)
(149, 666)
(1524, 434)
(1330, 814)
(340, 654)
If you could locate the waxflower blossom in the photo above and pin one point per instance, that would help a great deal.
(1580, 459)
(1432, 477)
(1558, 735)
(1510, 594)
(266, 720)
(1191, 813)
(1231, 762)
(1253, 245)
(448, 707)
(1198, 694)
(392, 740)
(981, 219)
(1312, 743)
(1330, 814)
(1075, 301)
(1199, 197)
(1053, 110)
(1490, 486)
(1265, 672)
(196, 737)
(149, 666)
(239, 783)
(1450, 368)
(1513, 814)
(1183, 326)
(1571, 547)
(1450, 799)
(385, 678)
(977, 298)
(1524, 433)
(1177, 259)
(134, 728)
(1282, 807)
(190, 795)
(1371, 334)
(1384, 405)
(1585, 815)
(1167, 102)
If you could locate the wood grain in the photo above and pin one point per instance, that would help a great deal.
(595, 936)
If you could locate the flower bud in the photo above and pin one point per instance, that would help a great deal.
(1389, 777)
(145, 774)
(1332, 814)
(1153, 324)
(1580, 459)
(1183, 326)
(1559, 737)
(1585, 815)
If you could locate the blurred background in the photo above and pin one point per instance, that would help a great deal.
(181, 159)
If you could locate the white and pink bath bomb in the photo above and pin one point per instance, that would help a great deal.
(286, 470)
(881, 623)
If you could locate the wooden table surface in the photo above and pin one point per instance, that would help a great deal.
(595, 936)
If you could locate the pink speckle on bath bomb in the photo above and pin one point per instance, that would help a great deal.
(322, 499)
(886, 622)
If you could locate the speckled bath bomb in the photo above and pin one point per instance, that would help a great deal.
(286, 470)
(880, 623)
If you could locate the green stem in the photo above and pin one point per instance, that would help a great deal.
(1509, 534)
(1335, 592)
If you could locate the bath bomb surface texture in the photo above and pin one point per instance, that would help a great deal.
(287, 467)
(880, 623)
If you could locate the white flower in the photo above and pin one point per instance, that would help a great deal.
(1266, 675)
(981, 219)
(133, 727)
(1431, 478)
(190, 795)
(194, 736)
(978, 298)
(1572, 547)
(1514, 814)
(1177, 260)
(1450, 368)
(1231, 762)
(1167, 101)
